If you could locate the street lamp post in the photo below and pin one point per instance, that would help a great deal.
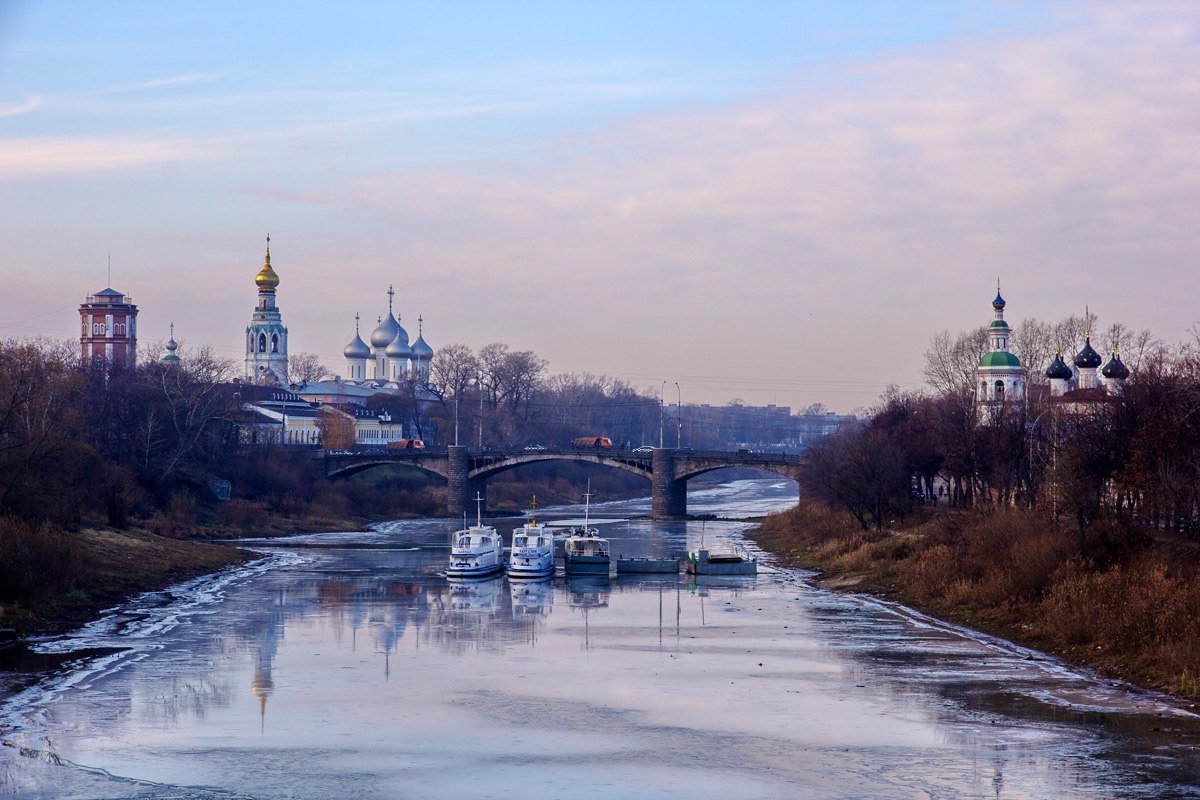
(661, 391)
(479, 382)
(678, 416)
(1032, 431)
(457, 392)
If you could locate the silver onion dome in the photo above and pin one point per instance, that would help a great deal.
(401, 334)
(357, 348)
(421, 349)
(383, 335)
(398, 348)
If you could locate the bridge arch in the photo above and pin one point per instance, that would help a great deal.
(782, 470)
(363, 466)
(517, 461)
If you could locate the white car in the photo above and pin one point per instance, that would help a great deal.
(643, 449)
(534, 447)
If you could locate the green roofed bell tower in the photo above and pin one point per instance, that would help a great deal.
(999, 376)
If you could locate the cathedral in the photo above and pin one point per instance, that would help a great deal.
(388, 363)
(390, 359)
(1000, 376)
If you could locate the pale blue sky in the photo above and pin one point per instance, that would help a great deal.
(716, 180)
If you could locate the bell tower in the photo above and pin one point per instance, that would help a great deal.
(266, 336)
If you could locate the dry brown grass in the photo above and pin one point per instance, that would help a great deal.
(70, 574)
(35, 560)
(1112, 599)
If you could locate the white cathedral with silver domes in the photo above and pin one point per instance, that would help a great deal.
(390, 360)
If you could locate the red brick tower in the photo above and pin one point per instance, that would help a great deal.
(108, 324)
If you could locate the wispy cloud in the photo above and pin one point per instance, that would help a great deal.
(1064, 160)
(158, 83)
(26, 157)
(33, 103)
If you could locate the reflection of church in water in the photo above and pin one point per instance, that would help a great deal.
(455, 618)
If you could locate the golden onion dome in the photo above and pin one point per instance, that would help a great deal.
(267, 279)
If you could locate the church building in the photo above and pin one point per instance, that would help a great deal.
(1000, 377)
(390, 360)
(266, 335)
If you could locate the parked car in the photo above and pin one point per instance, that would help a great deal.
(643, 450)
(534, 447)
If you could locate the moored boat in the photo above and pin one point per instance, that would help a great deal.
(477, 551)
(725, 562)
(647, 566)
(532, 551)
(584, 551)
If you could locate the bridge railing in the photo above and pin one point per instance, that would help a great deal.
(621, 453)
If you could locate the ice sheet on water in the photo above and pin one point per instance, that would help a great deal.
(126, 633)
(360, 673)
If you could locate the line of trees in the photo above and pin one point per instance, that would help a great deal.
(1133, 457)
(74, 440)
(507, 397)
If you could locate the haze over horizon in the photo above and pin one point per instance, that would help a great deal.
(778, 203)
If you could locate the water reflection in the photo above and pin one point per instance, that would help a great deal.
(532, 598)
(363, 672)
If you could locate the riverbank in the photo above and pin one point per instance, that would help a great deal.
(1116, 601)
(96, 569)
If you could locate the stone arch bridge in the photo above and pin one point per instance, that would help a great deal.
(466, 471)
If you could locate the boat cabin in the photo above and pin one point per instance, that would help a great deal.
(586, 544)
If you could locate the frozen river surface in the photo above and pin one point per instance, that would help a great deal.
(357, 671)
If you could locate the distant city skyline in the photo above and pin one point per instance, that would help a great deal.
(780, 203)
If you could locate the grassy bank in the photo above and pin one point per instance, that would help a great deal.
(1115, 600)
(53, 580)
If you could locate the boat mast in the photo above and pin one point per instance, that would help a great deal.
(478, 510)
(587, 499)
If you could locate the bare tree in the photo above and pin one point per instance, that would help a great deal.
(336, 427)
(451, 371)
(307, 368)
(951, 360)
(1033, 342)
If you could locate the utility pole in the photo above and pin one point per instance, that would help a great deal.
(457, 392)
(679, 416)
(661, 391)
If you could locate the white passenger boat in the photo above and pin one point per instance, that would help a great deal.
(584, 552)
(477, 551)
(532, 551)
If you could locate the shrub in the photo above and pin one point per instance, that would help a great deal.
(35, 560)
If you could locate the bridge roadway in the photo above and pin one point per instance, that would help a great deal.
(466, 470)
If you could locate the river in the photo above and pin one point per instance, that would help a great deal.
(344, 666)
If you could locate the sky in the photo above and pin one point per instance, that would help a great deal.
(774, 202)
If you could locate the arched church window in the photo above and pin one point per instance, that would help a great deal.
(262, 343)
(999, 390)
(983, 390)
(274, 343)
